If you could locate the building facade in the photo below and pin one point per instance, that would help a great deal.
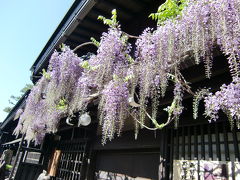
(77, 153)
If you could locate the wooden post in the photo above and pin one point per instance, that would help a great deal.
(52, 170)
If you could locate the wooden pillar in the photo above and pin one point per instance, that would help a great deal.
(162, 162)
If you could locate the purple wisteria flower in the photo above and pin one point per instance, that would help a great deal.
(114, 74)
(113, 108)
(227, 99)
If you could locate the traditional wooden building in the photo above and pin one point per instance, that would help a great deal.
(159, 154)
(8, 140)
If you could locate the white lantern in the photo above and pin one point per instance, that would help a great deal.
(84, 120)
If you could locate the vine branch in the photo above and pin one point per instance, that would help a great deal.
(92, 43)
(83, 44)
(131, 36)
(152, 129)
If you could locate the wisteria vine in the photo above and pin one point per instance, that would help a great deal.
(118, 77)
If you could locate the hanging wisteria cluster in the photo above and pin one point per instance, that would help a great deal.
(117, 77)
(226, 99)
(50, 98)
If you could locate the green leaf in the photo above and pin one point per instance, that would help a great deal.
(97, 43)
(114, 12)
(127, 78)
(101, 18)
(114, 16)
(62, 47)
(110, 22)
(169, 10)
(85, 65)
(62, 104)
(115, 77)
(129, 58)
(46, 74)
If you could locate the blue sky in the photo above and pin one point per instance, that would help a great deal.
(25, 27)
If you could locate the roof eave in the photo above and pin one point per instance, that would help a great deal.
(76, 13)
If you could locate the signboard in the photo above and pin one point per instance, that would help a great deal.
(103, 175)
(185, 169)
(205, 170)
